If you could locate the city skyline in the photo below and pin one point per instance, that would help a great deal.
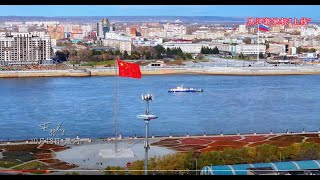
(162, 10)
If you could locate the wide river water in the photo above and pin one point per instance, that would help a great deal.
(85, 106)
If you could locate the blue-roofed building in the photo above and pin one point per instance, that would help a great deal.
(285, 166)
(222, 170)
(245, 169)
(241, 169)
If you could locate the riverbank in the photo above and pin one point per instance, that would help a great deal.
(242, 71)
(89, 155)
(45, 73)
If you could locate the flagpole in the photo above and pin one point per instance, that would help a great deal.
(116, 106)
(258, 45)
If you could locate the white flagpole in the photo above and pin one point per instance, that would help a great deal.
(258, 45)
(116, 107)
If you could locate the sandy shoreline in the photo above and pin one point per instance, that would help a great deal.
(238, 71)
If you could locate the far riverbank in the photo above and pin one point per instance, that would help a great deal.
(242, 71)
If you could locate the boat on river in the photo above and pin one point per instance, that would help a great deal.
(183, 89)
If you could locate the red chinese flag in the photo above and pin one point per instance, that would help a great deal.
(131, 70)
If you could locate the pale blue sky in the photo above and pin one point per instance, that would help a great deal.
(289, 11)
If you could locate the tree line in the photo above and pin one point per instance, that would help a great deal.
(192, 160)
(143, 53)
(305, 50)
(207, 50)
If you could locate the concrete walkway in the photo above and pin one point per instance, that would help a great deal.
(87, 156)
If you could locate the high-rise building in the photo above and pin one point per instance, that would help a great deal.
(99, 30)
(103, 27)
(25, 48)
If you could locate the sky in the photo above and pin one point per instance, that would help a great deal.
(288, 11)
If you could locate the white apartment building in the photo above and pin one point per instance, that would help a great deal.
(118, 44)
(242, 29)
(203, 34)
(119, 41)
(86, 29)
(175, 29)
(250, 49)
(24, 48)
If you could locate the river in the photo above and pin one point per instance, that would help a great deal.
(85, 106)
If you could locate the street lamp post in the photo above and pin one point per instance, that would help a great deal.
(147, 117)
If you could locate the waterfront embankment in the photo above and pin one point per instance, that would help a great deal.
(245, 71)
(45, 73)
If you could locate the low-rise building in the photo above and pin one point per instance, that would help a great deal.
(250, 49)
(157, 64)
(277, 48)
(185, 47)
(140, 41)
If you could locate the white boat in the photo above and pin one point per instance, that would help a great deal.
(183, 89)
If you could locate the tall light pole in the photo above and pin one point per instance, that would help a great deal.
(147, 117)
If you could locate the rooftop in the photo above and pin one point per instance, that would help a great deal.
(242, 169)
